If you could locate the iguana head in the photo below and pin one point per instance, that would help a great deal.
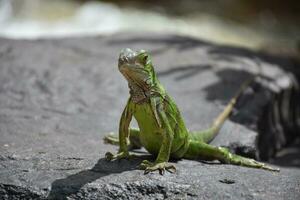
(137, 68)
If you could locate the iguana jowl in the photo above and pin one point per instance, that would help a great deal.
(162, 131)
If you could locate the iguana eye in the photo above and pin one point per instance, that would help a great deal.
(143, 59)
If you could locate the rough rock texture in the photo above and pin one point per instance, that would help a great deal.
(59, 97)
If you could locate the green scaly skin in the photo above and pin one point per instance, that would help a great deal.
(162, 131)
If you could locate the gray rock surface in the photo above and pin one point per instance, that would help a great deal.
(59, 97)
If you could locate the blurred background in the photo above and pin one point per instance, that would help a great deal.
(269, 25)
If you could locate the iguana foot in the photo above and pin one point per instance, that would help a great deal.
(230, 158)
(161, 167)
(121, 155)
(253, 163)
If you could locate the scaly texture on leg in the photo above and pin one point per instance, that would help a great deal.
(123, 135)
(230, 158)
(161, 163)
(201, 150)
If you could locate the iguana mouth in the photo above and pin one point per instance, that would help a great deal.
(132, 70)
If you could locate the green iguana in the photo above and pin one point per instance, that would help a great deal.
(162, 131)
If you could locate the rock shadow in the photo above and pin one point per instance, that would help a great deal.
(274, 115)
(288, 157)
(65, 187)
(184, 71)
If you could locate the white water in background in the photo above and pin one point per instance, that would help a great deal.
(32, 19)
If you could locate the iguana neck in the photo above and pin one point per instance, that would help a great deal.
(141, 95)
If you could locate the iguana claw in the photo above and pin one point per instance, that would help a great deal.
(161, 167)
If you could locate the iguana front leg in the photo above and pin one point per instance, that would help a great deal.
(161, 163)
(123, 135)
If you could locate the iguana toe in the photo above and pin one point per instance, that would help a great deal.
(161, 167)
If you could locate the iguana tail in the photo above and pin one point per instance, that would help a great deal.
(209, 134)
